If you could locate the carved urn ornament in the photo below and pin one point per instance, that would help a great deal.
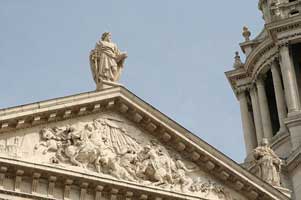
(106, 61)
(246, 33)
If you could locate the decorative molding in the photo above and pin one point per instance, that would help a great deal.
(152, 121)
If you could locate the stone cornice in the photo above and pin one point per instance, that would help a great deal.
(234, 77)
(76, 178)
(279, 139)
(294, 159)
(148, 118)
(263, 52)
(258, 60)
(284, 29)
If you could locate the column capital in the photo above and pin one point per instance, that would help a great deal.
(243, 89)
(284, 43)
(241, 94)
(260, 82)
(252, 91)
(273, 65)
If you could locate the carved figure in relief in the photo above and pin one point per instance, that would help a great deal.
(210, 188)
(50, 141)
(180, 176)
(74, 146)
(119, 171)
(155, 166)
(269, 163)
(128, 161)
(106, 60)
(107, 148)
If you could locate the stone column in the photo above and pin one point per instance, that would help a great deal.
(289, 79)
(256, 115)
(279, 94)
(247, 124)
(264, 110)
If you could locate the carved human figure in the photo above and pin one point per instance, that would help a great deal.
(106, 60)
(269, 163)
(128, 159)
(116, 170)
(75, 145)
(49, 140)
(181, 175)
(105, 147)
(154, 166)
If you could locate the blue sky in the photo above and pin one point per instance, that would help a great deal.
(178, 53)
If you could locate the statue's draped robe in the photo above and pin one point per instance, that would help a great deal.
(269, 165)
(107, 63)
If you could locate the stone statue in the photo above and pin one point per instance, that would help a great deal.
(106, 61)
(269, 163)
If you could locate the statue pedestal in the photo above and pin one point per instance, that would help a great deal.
(106, 84)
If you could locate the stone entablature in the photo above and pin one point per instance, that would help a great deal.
(284, 9)
(142, 115)
(25, 179)
(284, 31)
(275, 10)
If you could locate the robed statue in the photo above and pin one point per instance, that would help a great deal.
(106, 61)
(269, 163)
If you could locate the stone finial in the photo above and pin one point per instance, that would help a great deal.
(106, 61)
(246, 33)
(237, 61)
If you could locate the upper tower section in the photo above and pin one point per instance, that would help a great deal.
(274, 10)
(267, 84)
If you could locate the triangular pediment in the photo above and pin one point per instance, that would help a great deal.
(115, 136)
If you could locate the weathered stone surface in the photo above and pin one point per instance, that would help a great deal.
(106, 61)
(110, 146)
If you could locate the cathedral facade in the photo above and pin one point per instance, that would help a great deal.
(109, 144)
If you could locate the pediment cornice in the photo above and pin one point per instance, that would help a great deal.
(147, 117)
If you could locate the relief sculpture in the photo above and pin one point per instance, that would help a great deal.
(106, 148)
(11, 146)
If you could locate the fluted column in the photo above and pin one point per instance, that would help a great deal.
(247, 124)
(264, 110)
(279, 94)
(289, 79)
(256, 115)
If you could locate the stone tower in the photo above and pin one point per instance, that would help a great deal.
(268, 87)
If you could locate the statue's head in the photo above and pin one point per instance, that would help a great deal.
(160, 151)
(265, 142)
(147, 148)
(89, 127)
(106, 36)
(47, 134)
